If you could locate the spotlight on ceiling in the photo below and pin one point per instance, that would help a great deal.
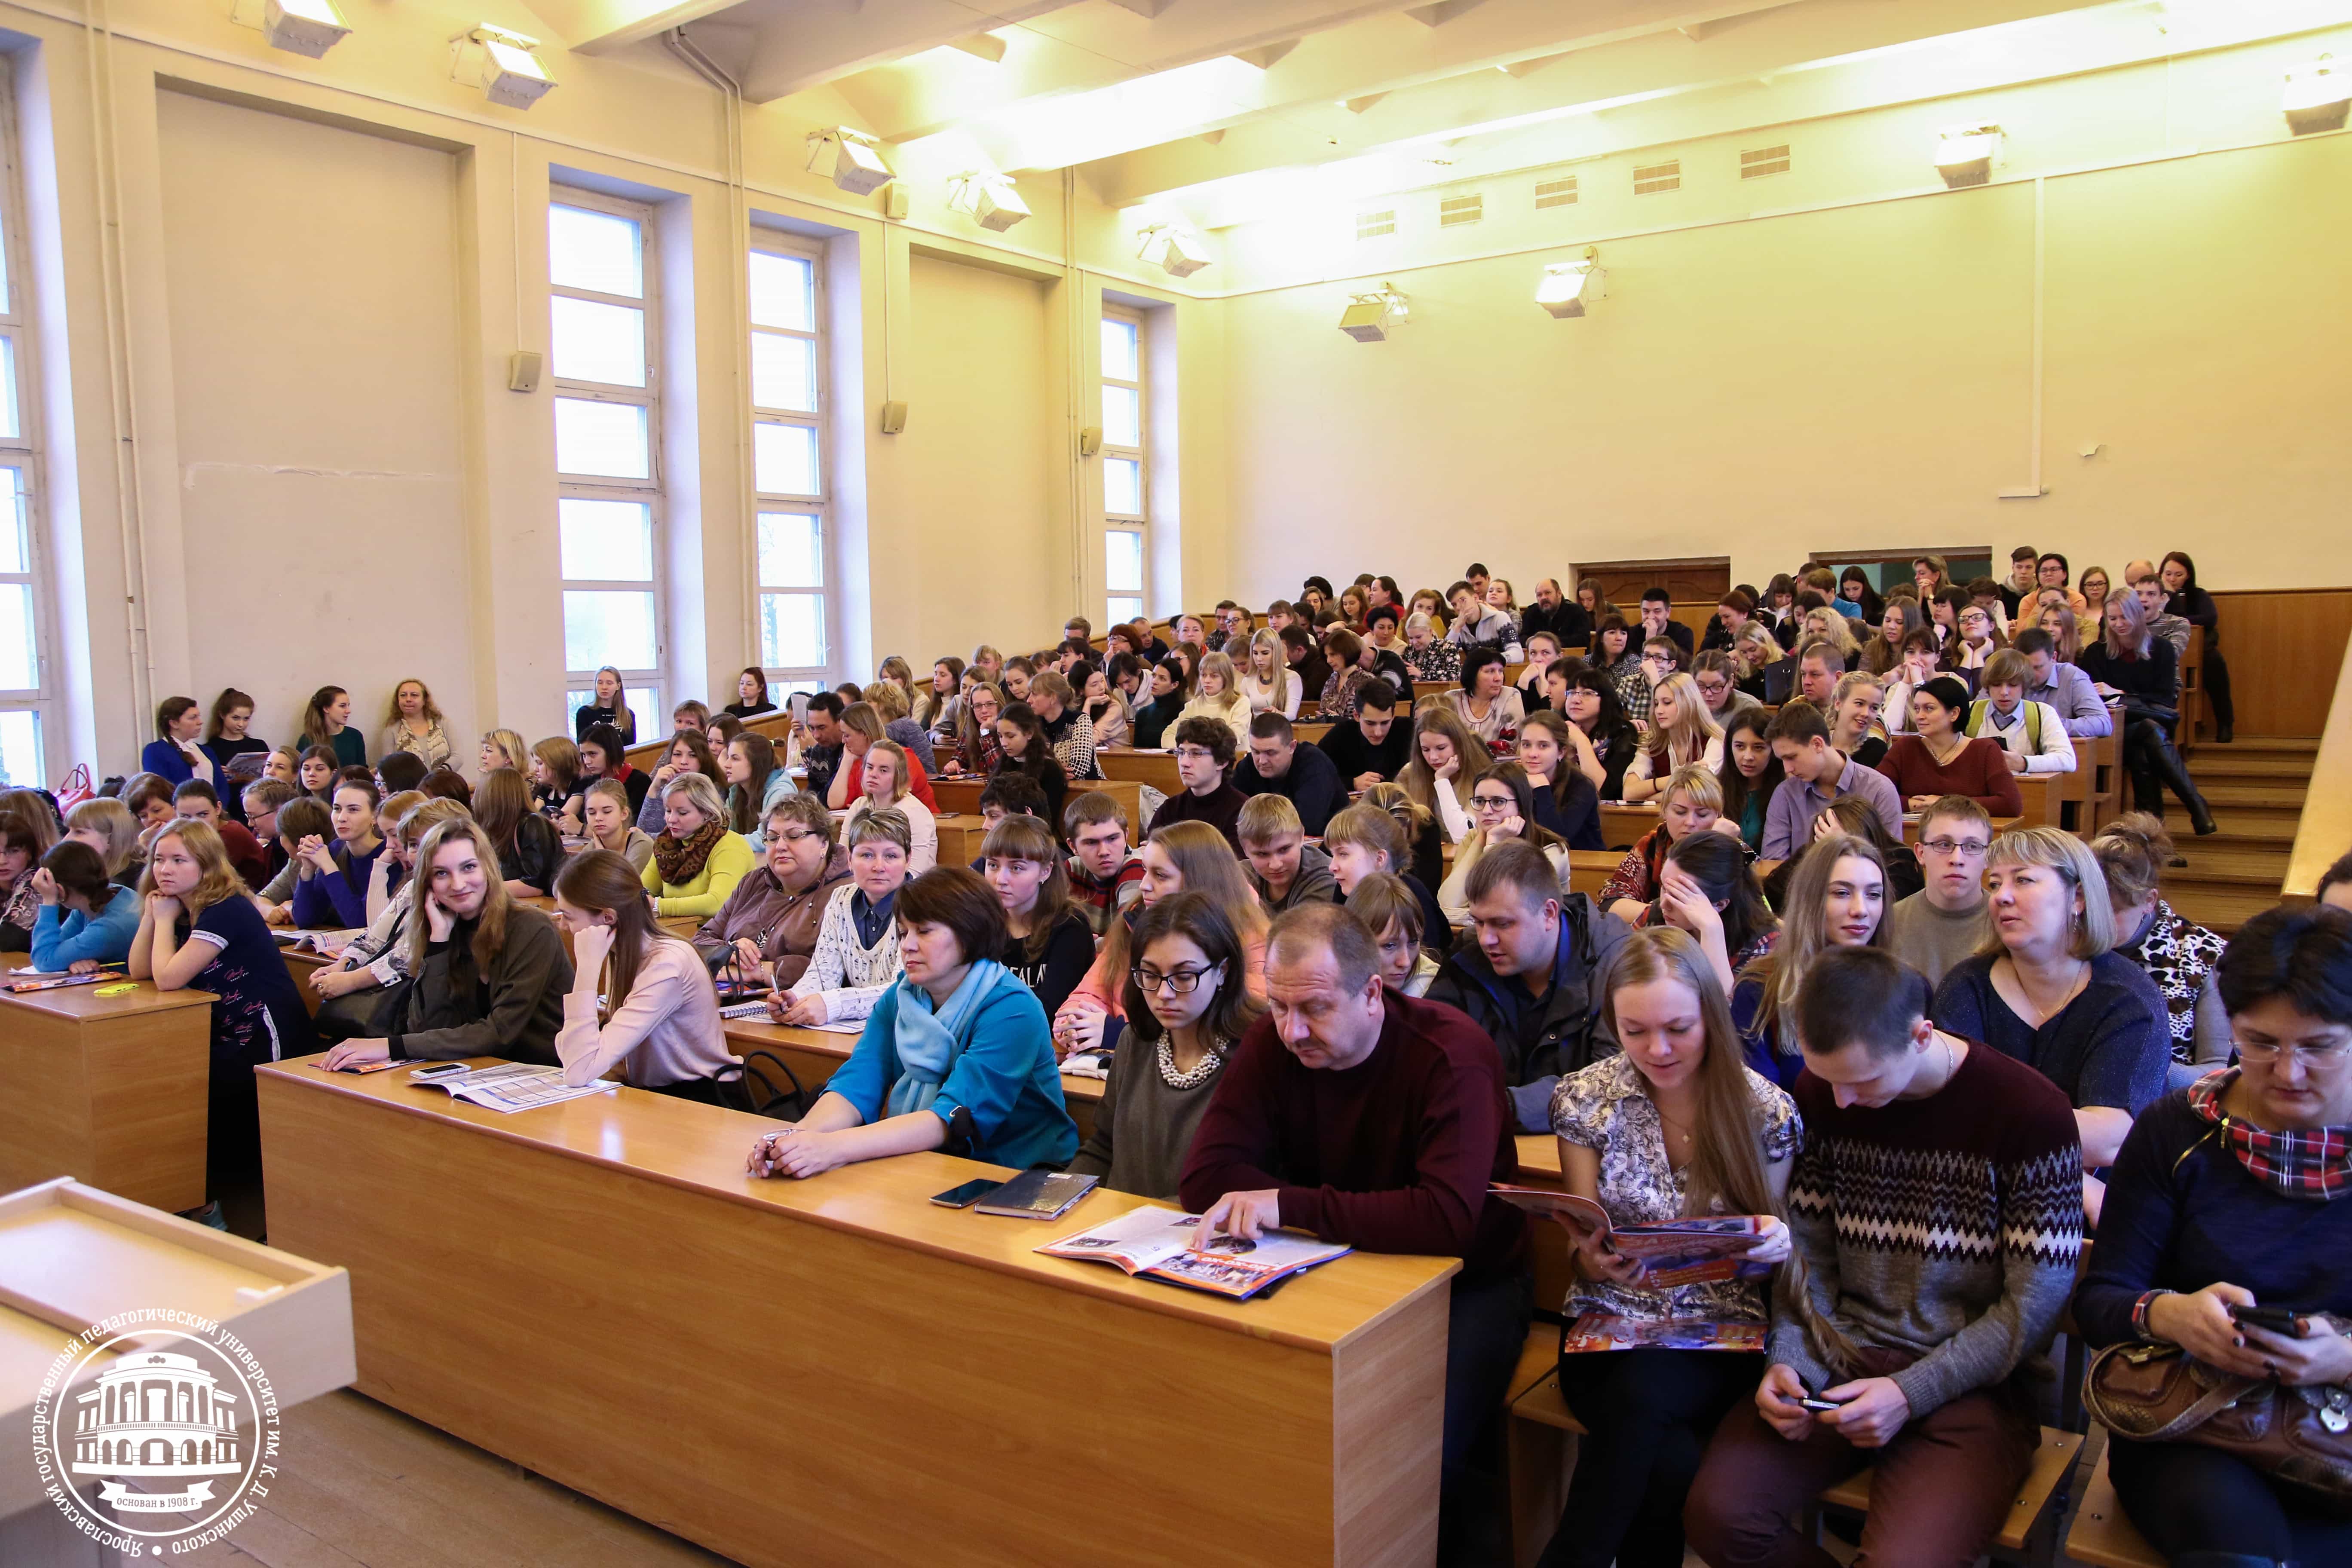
(988, 199)
(851, 159)
(1179, 254)
(2318, 96)
(1965, 154)
(1568, 285)
(309, 27)
(503, 66)
(1370, 318)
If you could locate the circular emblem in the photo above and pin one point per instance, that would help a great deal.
(155, 1431)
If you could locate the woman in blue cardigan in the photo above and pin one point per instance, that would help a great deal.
(2229, 1193)
(956, 1056)
(174, 755)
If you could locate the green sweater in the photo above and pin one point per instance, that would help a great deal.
(729, 862)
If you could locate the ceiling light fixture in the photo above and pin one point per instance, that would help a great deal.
(309, 27)
(504, 66)
(1178, 253)
(1370, 318)
(2318, 96)
(852, 160)
(1965, 154)
(1568, 285)
(988, 199)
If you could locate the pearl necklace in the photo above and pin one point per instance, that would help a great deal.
(1205, 1069)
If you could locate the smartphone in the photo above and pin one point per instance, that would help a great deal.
(1810, 1403)
(964, 1197)
(431, 1074)
(2277, 1320)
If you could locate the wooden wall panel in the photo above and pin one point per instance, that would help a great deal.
(2284, 645)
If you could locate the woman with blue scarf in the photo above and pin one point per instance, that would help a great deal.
(957, 1054)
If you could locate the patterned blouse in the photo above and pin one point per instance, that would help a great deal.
(1438, 662)
(2179, 956)
(1605, 1107)
(1632, 687)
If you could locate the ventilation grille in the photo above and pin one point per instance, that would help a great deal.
(1372, 225)
(1556, 193)
(1755, 162)
(1452, 212)
(1650, 179)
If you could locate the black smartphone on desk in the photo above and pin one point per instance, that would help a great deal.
(964, 1197)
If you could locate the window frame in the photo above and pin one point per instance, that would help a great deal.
(788, 677)
(1138, 522)
(24, 453)
(650, 491)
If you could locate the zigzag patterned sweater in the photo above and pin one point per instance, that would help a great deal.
(1942, 1230)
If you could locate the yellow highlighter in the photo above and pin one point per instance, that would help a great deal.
(123, 990)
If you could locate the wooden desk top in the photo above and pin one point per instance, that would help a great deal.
(750, 1034)
(81, 1003)
(701, 1149)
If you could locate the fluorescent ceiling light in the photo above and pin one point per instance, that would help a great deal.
(505, 68)
(1370, 317)
(989, 199)
(2318, 96)
(309, 27)
(1568, 286)
(1964, 154)
(851, 159)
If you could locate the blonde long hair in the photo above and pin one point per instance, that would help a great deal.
(622, 720)
(1684, 741)
(1279, 701)
(1804, 931)
(1419, 780)
(1219, 664)
(1724, 1165)
(219, 882)
(491, 924)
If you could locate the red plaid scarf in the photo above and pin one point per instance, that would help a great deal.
(2314, 1164)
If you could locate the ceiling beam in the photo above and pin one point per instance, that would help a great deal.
(1266, 55)
(1441, 11)
(984, 46)
(805, 43)
(1146, 9)
(601, 26)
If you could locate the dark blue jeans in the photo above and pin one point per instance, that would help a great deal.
(1486, 1327)
(2185, 1498)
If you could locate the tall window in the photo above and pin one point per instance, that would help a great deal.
(787, 466)
(603, 332)
(26, 692)
(1124, 513)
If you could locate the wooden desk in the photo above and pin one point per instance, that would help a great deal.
(961, 796)
(815, 1055)
(960, 837)
(2040, 796)
(958, 795)
(1157, 768)
(576, 1288)
(1309, 732)
(1622, 825)
(111, 1090)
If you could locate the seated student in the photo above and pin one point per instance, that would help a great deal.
(1008, 795)
(1674, 1128)
(1217, 694)
(1155, 718)
(2178, 576)
(2140, 669)
(1691, 803)
(1356, 664)
(1395, 1157)
(2032, 735)
(175, 756)
(1817, 774)
(1718, 679)
(1018, 673)
(1502, 809)
(1388, 909)
(1936, 1230)
(1682, 733)
(603, 754)
(1707, 890)
(696, 861)
(610, 706)
(198, 928)
(487, 974)
(1063, 723)
(857, 953)
(1981, 635)
(1948, 920)
(1102, 697)
(1268, 680)
(1565, 801)
(350, 988)
(1370, 748)
(640, 1000)
(1754, 653)
(108, 826)
(1750, 775)
(1105, 879)
(1922, 661)
(150, 800)
(1427, 655)
(1278, 765)
(1838, 898)
(1532, 979)
(751, 694)
(1487, 707)
(399, 772)
(2221, 1199)
(1284, 868)
(528, 850)
(445, 783)
(818, 736)
(1048, 943)
(84, 920)
(2148, 588)
(605, 808)
(1543, 652)
(412, 724)
(689, 753)
(891, 705)
(1937, 758)
(336, 897)
(2063, 687)
(1189, 856)
(1188, 1003)
(1368, 840)
(1854, 815)
(956, 1053)
(1881, 655)
(691, 717)
(326, 723)
(196, 800)
(1605, 740)
(1479, 624)
(1448, 761)
(2055, 996)
(303, 825)
(1204, 753)
(2177, 954)
(936, 711)
(770, 924)
(502, 749)
(557, 788)
(1563, 619)
(1021, 734)
(888, 770)
(1856, 705)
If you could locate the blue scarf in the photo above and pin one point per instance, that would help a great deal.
(929, 1042)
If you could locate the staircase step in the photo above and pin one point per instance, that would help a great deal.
(2240, 830)
(2263, 746)
(2222, 909)
(2279, 795)
(2225, 867)
(2220, 765)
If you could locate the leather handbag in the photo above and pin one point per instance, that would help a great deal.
(2153, 1393)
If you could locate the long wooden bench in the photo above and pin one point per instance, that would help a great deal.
(2103, 1536)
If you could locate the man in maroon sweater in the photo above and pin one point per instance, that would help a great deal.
(1377, 1119)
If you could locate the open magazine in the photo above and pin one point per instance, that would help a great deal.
(1675, 1251)
(1606, 1331)
(330, 943)
(1153, 1243)
(512, 1086)
(51, 979)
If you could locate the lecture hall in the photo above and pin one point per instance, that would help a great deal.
(1384, 782)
